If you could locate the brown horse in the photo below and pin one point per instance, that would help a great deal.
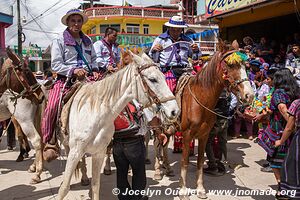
(200, 95)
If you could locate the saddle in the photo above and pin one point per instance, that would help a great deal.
(182, 82)
(52, 150)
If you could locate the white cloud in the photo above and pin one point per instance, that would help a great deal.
(50, 21)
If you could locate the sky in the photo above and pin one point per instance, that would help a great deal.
(47, 15)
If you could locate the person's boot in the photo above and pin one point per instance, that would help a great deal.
(212, 169)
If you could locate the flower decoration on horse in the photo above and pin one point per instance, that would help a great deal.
(236, 58)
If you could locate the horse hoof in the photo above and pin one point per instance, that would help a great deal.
(184, 197)
(157, 177)
(147, 161)
(201, 195)
(20, 158)
(85, 182)
(170, 173)
(35, 180)
(31, 169)
(107, 172)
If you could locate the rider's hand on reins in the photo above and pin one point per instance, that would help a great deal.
(111, 69)
(96, 75)
(157, 47)
(80, 73)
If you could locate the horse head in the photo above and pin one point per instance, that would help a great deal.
(17, 77)
(153, 83)
(232, 67)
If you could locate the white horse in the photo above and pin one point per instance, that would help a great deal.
(96, 105)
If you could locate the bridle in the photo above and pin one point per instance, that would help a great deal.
(153, 98)
(232, 84)
(28, 90)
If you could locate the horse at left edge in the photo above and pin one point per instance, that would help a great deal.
(22, 98)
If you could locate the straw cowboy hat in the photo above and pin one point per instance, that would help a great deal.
(74, 12)
(176, 22)
(39, 73)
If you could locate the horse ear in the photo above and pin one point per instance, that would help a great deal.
(221, 46)
(122, 51)
(11, 55)
(235, 45)
(26, 61)
(135, 50)
(137, 59)
(146, 58)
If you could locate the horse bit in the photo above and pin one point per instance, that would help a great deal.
(153, 97)
(28, 90)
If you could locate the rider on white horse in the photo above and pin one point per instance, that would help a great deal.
(72, 55)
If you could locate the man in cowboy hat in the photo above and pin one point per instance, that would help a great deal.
(173, 57)
(172, 50)
(72, 55)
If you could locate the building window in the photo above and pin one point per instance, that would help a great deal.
(146, 28)
(103, 27)
(133, 28)
(93, 30)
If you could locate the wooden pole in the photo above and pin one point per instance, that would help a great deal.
(19, 30)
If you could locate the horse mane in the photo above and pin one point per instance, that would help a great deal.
(106, 89)
(208, 75)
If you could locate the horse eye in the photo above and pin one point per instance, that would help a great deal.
(153, 80)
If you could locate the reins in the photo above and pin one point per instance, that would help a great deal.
(153, 98)
(233, 84)
(195, 98)
(27, 89)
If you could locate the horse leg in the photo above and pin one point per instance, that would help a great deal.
(157, 174)
(23, 142)
(166, 163)
(84, 179)
(183, 192)
(73, 158)
(26, 146)
(97, 161)
(20, 136)
(107, 167)
(200, 160)
(147, 140)
(35, 138)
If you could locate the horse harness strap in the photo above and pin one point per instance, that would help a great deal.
(195, 98)
(153, 97)
(27, 89)
(232, 84)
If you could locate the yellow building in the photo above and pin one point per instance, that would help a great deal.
(136, 25)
